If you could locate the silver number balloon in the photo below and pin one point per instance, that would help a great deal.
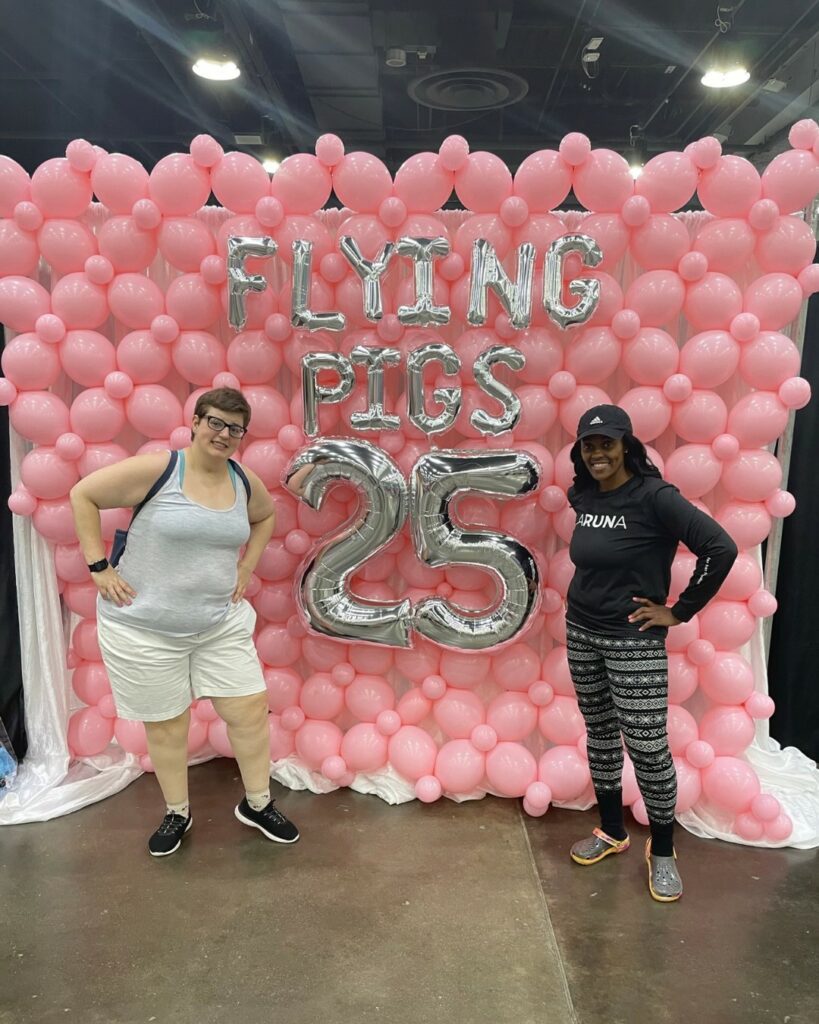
(375, 359)
(314, 394)
(323, 595)
(301, 316)
(436, 479)
(588, 288)
(488, 272)
(239, 281)
(449, 398)
(370, 272)
(515, 360)
(422, 251)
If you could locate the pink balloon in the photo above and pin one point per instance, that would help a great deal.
(730, 187)
(712, 302)
(412, 752)
(728, 244)
(516, 667)
(765, 807)
(119, 181)
(423, 183)
(46, 475)
(689, 785)
(775, 299)
(791, 179)
(316, 740)
(758, 419)
(483, 182)
(682, 678)
(367, 696)
(184, 242)
(593, 355)
(729, 730)
(78, 302)
(649, 409)
(788, 247)
(584, 398)
(660, 243)
(747, 523)
(760, 705)
(128, 247)
(753, 476)
(22, 301)
(239, 181)
(565, 772)
(769, 360)
(89, 732)
(779, 829)
(418, 663)
(611, 234)
(668, 181)
(364, 748)
(95, 416)
(700, 418)
(55, 521)
(744, 579)
(510, 769)
(458, 712)
(59, 190)
(320, 697)
(198, 356)
(491, 228)
(145, 360)
(682, 729)
(90, 681)
(153, 410)
(15, 186)
(30, 363)
(512, 715)
(694, 469)
(710, 358)
(556, 671)
(603, 182)
(178, 185)
(131, 736)
(561, 721)
(361, 182)
(66, 245)
(727, 624)
(192, 303)
(731, 784)
(729, 679)
(283, 687)
(543, 180)
(39, 416)
(464, 669)
(87, 357)
(459, 766)
(656, 296)
(302, 184)
(98, 455)
(134, 300)
(370, 659)
(650, 357)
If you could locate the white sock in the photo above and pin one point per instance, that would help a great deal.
(258, 801)
(183, 809)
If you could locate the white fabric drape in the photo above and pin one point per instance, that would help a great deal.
(48, 785)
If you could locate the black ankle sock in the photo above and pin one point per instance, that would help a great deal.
(662, 838)
(610, 806)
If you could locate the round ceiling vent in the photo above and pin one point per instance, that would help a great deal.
(468, 89)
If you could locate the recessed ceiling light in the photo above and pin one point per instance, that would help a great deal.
(216, 70)
(715, 79)
(774, 85)
(635, 170)
(593, 43)
(271, 164)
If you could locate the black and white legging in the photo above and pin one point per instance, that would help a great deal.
(622, 687)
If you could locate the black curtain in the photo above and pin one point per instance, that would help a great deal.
(793, 664)
(11, 676)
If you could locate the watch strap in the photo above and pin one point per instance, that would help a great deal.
(98, 566)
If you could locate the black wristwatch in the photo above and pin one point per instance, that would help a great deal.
(98, 566)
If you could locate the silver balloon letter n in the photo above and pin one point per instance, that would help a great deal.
(239, 281)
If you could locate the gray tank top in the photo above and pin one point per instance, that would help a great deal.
(181, 561)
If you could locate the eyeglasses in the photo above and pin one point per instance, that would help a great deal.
(234, 429)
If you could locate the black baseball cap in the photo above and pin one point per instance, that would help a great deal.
(608, 420)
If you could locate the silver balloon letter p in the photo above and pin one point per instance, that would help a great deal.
(313, 393)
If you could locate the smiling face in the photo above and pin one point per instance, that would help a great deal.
(218, 442)
(604, 459)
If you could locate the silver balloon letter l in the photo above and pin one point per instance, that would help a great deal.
(301, 316)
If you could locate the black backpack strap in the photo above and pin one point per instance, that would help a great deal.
(158, 484)
(237, 469)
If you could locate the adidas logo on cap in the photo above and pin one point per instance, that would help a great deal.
(595, 421)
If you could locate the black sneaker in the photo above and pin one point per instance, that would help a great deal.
(269, 821)
(168, 837)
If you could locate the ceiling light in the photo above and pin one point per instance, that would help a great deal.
(216, 70)
(715, 79)
(271, 164)
(396, 58)
(636, 153)
(593, 43)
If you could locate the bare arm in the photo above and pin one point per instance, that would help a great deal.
(262, 515)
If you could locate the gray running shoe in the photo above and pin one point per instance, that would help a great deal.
(596, 847)
(664, 882)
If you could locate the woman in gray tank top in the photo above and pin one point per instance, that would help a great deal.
(172, 622)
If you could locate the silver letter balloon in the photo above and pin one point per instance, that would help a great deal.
(239, 281)
(588, 288)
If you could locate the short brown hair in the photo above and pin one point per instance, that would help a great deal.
(225, 400)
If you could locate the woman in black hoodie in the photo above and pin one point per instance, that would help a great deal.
(629, 523)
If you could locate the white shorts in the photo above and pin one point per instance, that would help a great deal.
(155, 677)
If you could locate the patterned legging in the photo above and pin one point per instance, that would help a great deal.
(622, 687)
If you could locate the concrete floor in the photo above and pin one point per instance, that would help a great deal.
(402, 915)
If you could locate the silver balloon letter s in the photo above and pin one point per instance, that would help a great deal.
(301, 316)
(239, 281)
(370, 272)
(450, 398)
(515, 360)
(314, 394)
(322, 594)
(588, 288)
(375, 359)
(488, 272)
(436, 479)
(422, 251)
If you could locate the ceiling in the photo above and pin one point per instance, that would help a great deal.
(117, 72)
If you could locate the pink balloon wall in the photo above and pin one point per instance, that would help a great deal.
(116, 319)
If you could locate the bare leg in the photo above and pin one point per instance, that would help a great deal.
(246, 720)
(168, 748)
